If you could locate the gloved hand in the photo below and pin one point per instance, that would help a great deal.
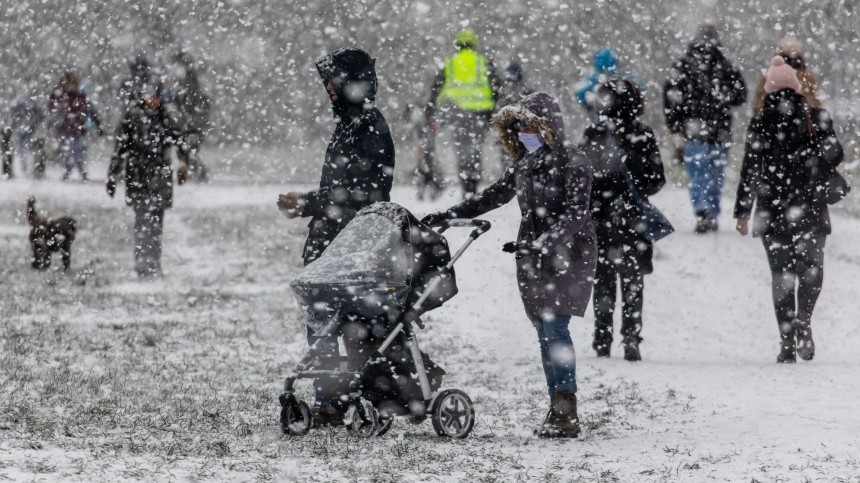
(521, 249)
(111, 186)
(435, 219)
(291, 204)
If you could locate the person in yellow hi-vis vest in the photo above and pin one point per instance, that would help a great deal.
(463, 96)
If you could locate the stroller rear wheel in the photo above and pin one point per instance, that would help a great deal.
(296, 418)
(362, 419)
(452, 414)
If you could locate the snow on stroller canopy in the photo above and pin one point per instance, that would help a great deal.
(370, 249)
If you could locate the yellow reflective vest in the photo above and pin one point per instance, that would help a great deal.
(467, 84)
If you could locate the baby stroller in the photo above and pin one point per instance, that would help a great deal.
(370, 286)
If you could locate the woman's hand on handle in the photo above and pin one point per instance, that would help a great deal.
(435, 219)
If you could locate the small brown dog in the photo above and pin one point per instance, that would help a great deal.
(49, 235)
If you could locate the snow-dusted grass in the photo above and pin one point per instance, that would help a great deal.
(106, 377)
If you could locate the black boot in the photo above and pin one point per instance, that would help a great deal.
(786, 346)
(702, 223)
(803, 333)
(631, 348)
(602, 340)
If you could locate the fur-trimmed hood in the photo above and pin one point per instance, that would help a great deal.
(538, 112)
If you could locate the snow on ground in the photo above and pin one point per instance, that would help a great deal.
(105, 377)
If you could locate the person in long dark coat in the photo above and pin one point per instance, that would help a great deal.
(143, 141)
(357, 172)
(619, 143)
(556, 249)
(791, 150)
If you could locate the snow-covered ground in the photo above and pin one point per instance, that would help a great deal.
(104, 377)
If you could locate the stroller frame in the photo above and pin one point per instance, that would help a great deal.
(450, 410)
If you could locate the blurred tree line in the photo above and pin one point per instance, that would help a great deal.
(256, 58)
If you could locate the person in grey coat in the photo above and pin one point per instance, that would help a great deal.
(143, 141)
(556, 249)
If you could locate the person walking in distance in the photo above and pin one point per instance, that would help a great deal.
(622, 151)
(143, 141)
(463, 96)
(788, 172)
(702, 89)
(70, 109)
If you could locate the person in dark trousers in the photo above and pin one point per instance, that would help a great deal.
(27, 116)
(7, 150)
(194, 107)
(357, 172)
(555, 250)
(143, 141)
(791, 151)
(463, 96)
(70, 110)
(622, 150)
(698, 98)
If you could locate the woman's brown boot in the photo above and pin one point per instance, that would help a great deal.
(562, 422)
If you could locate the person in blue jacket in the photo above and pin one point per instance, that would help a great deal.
(605, 66)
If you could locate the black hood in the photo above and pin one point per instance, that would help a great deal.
(352, 73)
(620, 99)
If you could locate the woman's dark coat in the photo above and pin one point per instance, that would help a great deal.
(553, 187)
(791, 148)
(359, 161)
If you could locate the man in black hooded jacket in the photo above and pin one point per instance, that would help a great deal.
(358, 169)
(702, 89)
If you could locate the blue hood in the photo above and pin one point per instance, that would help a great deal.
(605, 60)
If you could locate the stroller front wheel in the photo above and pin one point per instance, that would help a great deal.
(362, 419)
(452, 414)
(296, 418)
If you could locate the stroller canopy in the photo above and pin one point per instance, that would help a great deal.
(378, 264)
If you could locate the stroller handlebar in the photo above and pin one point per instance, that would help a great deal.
(481, 226)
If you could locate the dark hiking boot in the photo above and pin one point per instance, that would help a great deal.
(602, 341)
(786, 347)
(326, 416)
(562, 421)
(803, 334)
(631, 348)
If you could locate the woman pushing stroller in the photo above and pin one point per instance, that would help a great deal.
(555, 250)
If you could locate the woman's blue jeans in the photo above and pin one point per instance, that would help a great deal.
(557, 354)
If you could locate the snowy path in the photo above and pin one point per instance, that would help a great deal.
(707, 402)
